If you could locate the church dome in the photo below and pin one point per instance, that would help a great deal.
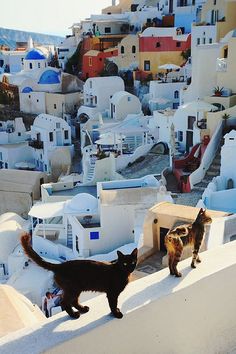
(49, 77)
(27, 89)
(35, 54)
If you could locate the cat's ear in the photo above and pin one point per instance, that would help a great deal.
(119, 254)
(134, 253)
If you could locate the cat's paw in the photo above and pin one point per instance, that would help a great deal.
(118, 314)
(75, 314)
(178, 275)
(193, 265)
(84, 309)
(198, 260)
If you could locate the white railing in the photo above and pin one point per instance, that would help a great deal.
(123, 160)
(221, 64)
(208, 157)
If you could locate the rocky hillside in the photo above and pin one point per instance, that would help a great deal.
(9, 37)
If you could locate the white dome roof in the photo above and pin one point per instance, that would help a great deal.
(12, 216)
(82, 203)
(10, 232)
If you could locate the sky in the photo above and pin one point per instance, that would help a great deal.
(47, 16)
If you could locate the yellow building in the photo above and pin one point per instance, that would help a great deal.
(128, 52)
(222, 13)
(124, 5)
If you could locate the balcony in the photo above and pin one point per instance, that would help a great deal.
(36, 144)
(221, 64)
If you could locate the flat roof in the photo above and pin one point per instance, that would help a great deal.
(183, 211)
(76, 190)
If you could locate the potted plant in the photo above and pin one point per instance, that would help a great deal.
(225, 117)
(218, 91)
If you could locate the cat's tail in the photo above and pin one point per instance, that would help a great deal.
(25, 242)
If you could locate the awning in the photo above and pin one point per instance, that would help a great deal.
(47, 210)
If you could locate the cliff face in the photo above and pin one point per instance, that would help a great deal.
(9, 37)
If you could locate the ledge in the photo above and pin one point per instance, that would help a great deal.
(201, 303)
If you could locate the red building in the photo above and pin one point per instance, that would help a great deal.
(93, 61)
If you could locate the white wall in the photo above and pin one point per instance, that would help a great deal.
(162, 314)
(33, 102)
(124, 105)
(204, 77)
(228, 150)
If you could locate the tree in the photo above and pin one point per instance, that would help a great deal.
(54, 61)
(225, 117)
(73, 64)
(185, 54)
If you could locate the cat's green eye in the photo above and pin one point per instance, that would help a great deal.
(125, 264)
(133, 262)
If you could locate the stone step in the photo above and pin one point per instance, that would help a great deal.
(206, 181)
(212, 173)
(197, 188)
(217, 160)
(214, 167)
(202, 184)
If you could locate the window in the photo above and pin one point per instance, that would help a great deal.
(176, 94)
(122, 49)
(6, 165)
(0, 155)
(90, 61)
(133, 49)
(95, 99)
(204, 40)
(198, 41)
(58, 125)
(158, 44)
(94, 235)
(19, 134)
(45, 168)
(178, 44)
(55, 106)
(107, 29)
(37, 100)
(180, 135)
(30, 66)
(66, 134)
(39, 65)
(129, 98)
(90, 84)
(214, 2)
(29, 96)
(146, 65)
(51, 136)
(210, 40)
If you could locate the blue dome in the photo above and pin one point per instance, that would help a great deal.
(49, 77)
(27, 89)
(35, 54)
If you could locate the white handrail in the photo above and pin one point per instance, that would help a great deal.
(208, 157)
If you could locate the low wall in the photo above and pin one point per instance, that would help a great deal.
(162, 314)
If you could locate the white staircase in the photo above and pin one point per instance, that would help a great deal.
(90, 173)
(69, 236)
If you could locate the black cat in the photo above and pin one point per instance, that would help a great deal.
(76, 276)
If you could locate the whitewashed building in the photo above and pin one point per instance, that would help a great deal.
(44, 89)
(97, 94)
(49, 136)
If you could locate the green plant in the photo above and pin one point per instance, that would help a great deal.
(218, 90)
(185, 54)
(225, 117)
